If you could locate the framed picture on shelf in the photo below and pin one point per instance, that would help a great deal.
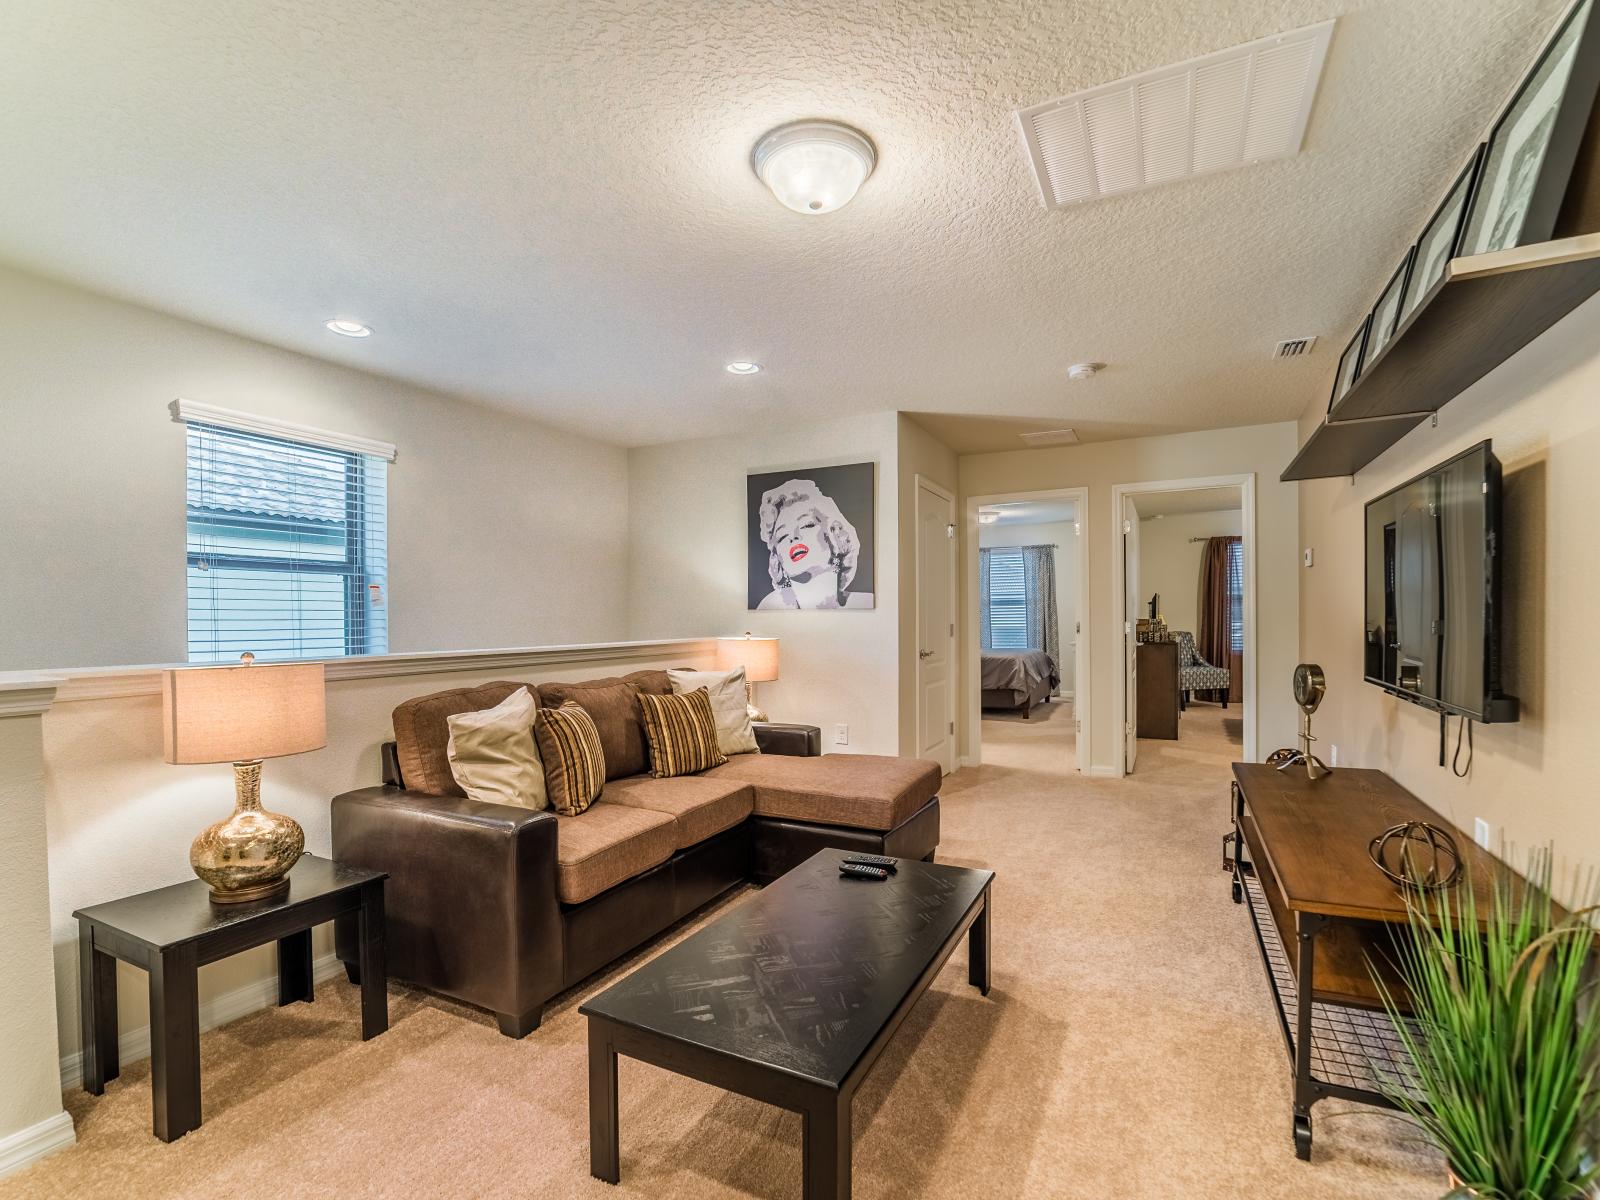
(810, 539)
(1386, 315)
(1437, 245)
(1535, 142)
(1349, 365)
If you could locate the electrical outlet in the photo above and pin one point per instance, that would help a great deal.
(1333, 754)
(841, 735)
(1480, 832)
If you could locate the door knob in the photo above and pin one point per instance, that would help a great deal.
(924, 653)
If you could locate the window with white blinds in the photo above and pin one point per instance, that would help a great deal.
(1008, 601)
(287, 548)
(1236, 596)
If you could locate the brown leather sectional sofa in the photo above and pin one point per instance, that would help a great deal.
(504, 908)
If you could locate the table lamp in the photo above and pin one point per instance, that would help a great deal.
(243, 714)
(758, 657)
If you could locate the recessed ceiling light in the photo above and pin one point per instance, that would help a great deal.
(348, 328)
(814, 167)
(743, 368)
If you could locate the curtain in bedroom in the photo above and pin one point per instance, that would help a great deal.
(1039, 570)
(985, 630)
(1220, 639)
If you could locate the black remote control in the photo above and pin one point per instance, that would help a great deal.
(872, 860)
(856, 871)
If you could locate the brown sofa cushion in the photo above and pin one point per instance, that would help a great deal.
(863, 791)
(699, 805)
(574, 764)
(614, 704)
(422, 733)
(600, 848)
(682, 732)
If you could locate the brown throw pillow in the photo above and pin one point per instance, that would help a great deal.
(683, 733)
(614, 705)
(574, 763)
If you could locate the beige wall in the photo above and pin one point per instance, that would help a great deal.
(30, 1088)
(502, 532)
(1262, 450)
(1169, 562)
(121, 819)
(1064, 536)
(1534, 781)
(687, 572)
(920, 453)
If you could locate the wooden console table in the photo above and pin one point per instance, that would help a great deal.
(1322, 911)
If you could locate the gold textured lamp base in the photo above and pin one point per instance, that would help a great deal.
(248, 856)
(755, 714)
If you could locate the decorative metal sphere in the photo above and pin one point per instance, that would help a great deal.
(1417, 855)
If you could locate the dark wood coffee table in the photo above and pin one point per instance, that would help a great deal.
(790, 998)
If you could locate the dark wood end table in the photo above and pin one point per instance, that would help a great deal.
(790, 998)
(173, 931)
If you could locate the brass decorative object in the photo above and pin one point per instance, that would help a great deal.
(1395, 853)
(1310, 685)
(248, 856)
(243, 714)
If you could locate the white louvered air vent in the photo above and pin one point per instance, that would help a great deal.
(1243, 105)
(1293, 347)
(1051, 437)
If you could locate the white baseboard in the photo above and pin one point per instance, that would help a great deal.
(33, 1143)
(1101, 772)
(1069, 697)
(218, 1010)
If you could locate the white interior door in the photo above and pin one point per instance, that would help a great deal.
(936, 574)
(1130, 623)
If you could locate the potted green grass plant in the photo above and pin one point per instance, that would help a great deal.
(1504, 1038)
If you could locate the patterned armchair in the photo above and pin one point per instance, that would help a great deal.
(1195, 674)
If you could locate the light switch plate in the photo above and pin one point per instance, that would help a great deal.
(841, 735)
(1310, 556)
(1480, 832)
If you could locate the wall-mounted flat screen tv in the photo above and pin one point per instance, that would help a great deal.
(1433, 589)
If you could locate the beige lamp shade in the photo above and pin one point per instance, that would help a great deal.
(758, 657)
(236, 714)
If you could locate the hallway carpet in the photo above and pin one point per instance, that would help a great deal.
(1127, 1050)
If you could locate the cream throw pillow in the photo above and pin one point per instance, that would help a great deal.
(728, 705)
(493, 756)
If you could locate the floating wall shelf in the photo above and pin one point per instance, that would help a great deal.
(1483, 310)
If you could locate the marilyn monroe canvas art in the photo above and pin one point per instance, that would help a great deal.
(811, 538)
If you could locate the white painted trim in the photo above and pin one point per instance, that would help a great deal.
(953, 669)
(27, 695)
(1101, 772)
(134, 1044)
(1246, 483)
(29, 1145)
(184, 411)
(1081, 651)
(103, 683)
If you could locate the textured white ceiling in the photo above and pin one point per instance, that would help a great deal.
(1033, 512)
(549, 207)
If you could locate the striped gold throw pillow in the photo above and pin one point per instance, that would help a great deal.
(682, 731)
(574, 763)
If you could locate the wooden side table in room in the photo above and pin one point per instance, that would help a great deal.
(173, 931)
(1157, 715)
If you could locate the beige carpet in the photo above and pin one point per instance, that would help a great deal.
(1127, 1050)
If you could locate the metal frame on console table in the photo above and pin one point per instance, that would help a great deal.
(1337, 1050)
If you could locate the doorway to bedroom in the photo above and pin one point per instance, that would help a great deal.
(1030, 617)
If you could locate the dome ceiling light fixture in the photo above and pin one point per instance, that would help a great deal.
(743, 368)
(814, 167)
(348, 328)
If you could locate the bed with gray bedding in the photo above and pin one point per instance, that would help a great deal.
(1016, 678)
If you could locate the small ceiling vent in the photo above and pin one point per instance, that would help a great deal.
(1051, 437)
(1238, 106)
(1294, 347)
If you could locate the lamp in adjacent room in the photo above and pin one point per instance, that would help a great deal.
(758, 657)
(243, 714)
